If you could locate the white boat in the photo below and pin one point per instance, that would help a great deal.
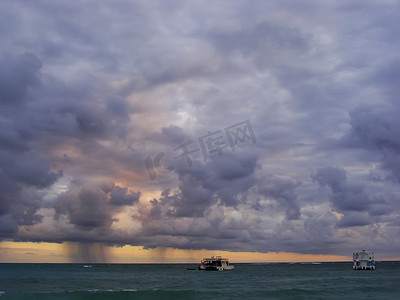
(215, 263)
(363, 260)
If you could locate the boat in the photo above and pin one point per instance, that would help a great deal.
(215, 263)
(363, 260)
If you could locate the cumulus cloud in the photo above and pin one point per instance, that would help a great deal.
(89, 206)
(345, 197)
(86, 208)
(111, 92)
(283, 191)
(377, 129)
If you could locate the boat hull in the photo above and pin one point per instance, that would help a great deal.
(215, 268)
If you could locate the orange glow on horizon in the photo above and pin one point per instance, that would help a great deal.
(26, 252)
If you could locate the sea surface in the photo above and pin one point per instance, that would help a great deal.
(175, 281)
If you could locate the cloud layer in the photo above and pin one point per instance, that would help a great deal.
(99, 102)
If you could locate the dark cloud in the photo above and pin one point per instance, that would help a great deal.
(17, 75)
(357, 206)
(346, 197)
(89, 206)
(355, 219)
(264, 42)
(333, 177)
(223, 180)
(86, 208)
(171, 135)
(283, 191)
(24, 172)
(123, 196)
(377, 129)
(8, 226)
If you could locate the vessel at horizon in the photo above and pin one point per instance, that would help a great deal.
(363, 260)
(215, 263)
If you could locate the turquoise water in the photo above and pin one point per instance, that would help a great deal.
(174, 281)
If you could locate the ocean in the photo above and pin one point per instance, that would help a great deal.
(175, 281)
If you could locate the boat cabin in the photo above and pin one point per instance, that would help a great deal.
(363, 260)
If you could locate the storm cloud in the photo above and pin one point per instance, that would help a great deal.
(99, 102)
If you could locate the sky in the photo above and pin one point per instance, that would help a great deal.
(183, 128)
